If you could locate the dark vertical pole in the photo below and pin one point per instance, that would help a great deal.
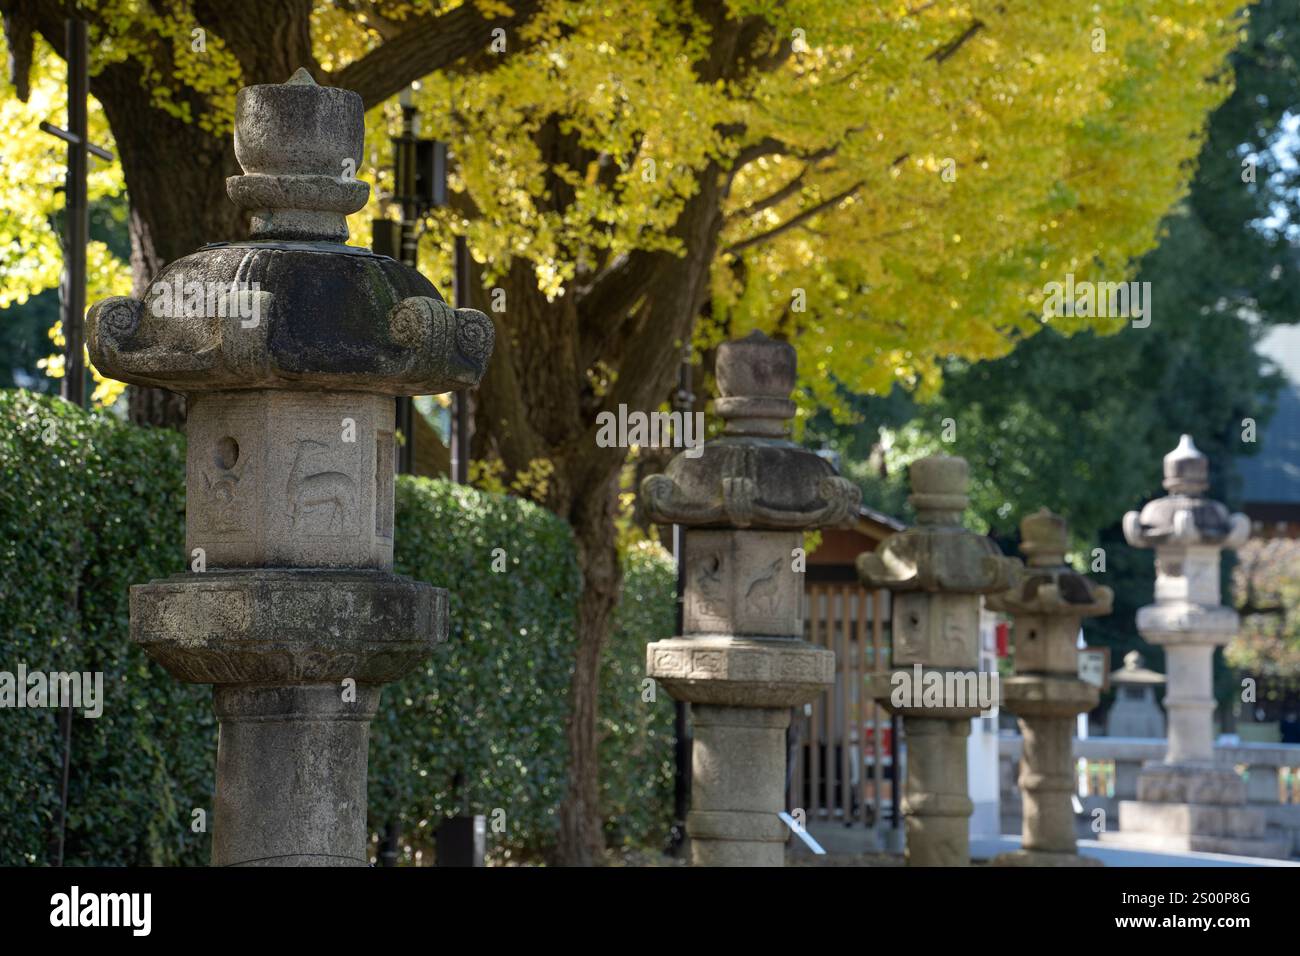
(460, 417)
(683, 401)
(407, 253)
(404, 187)
(895, 810)
(77, 232)
(76, 213)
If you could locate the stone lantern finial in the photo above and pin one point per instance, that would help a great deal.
(755, 378)
(299, 145)
(1044, 539)
(939, 485)
(1187, 471)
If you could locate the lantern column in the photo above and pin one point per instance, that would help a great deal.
(1190, 800)
(936, 572)
(289, 347)
(1046, 694)
(742, 662)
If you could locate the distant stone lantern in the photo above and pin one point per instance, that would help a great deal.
(1189, 801)
(936, 572)
(1046, 694)
(290, 347)
(1135, 712)
(742, 662)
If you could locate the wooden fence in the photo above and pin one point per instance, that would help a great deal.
(842, 761)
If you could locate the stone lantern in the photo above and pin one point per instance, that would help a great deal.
(742, 662)
(936, 572)
(1046, 694)
(1189, 801)
(290, 347)
(1135, 712)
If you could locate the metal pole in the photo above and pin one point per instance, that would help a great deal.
(460, 417)
(77, 230)
(408, 254)
(404, 186)
(76, 214)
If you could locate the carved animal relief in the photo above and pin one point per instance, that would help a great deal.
(322, 500)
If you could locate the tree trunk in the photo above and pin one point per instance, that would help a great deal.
(582, 840)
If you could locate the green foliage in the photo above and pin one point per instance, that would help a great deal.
(481, 728)
(636, 747)
(1079, 424)
(89, 506)
(1266, 586)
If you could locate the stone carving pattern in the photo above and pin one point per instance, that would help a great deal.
(311, 493)
(764, 591)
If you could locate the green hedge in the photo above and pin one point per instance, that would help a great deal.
(487, 711)
(87, 508)
(93, 502)
(481, 729)
(636, 746)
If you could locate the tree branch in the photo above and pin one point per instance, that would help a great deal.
(793, 221)
(952, 47)
(462, 36)
(774, 198)
(770, 146)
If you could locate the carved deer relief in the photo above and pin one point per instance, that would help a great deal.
(329, 492)
(764, 591)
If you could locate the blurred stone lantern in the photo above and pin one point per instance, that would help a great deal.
(289, 347)
(936, 572)
(742, 662)
(1190, 800)
(1135, 712)
(1048, 603)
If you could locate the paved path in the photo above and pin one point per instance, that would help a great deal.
(1113, 856)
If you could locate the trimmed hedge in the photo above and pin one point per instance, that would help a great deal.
(87, 508)
(481, 728)
(636, 746)
(94, 502)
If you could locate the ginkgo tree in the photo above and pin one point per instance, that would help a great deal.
(883, 184)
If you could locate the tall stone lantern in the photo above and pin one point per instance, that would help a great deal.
(936, 572)
(1046, 693)
(742, 662)
(290, 347)
(1189, 801)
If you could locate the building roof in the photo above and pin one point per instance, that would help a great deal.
(1272, 477)
(834, 558)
